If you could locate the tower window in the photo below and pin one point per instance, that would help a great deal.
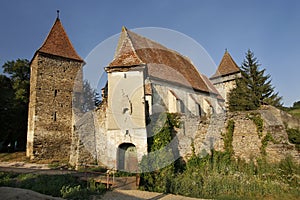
(55, 93)
(54, 116)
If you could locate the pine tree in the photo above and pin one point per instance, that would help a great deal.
(254, 88)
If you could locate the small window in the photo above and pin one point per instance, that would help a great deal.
(180, 106)
(54, 116)
(55, 93)
(199, 109)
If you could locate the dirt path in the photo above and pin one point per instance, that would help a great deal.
(141, 195)
(8, 193)
(116, 194)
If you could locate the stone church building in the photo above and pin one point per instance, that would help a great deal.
(145, 80)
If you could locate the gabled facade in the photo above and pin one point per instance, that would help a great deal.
(146, 79)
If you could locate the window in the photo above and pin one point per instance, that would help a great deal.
(180, 106)
(54, 116)
(55, 93)
(199, 109)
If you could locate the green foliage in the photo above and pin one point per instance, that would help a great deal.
(264, 142)
(66, 186)
(91, 98)
(219, 176)
(14, 98)
(294, 137)
(254, 88)
(258, 121)
(158, 167)
(228, 137)
(296, 105)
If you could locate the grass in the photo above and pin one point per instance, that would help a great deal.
(219, 176)
(295, 112)
(65, 186)
(14, 157)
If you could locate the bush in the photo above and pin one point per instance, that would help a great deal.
(294, 137)
(219, 176)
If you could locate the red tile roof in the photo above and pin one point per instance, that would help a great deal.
(162, 63)
(57, 43)
(212, 88)
(227, 66)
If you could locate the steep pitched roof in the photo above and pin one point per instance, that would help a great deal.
(212, 88)
(162, 63)
(57, 43)
(227, 66)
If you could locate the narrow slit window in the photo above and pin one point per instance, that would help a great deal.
(54, 116)
(55, 93)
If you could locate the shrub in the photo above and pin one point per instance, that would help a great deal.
(294, 137)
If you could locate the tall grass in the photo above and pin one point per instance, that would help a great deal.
(218, 176)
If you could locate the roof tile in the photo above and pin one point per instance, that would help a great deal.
(162, 63)
(57, 43)
(227, 66)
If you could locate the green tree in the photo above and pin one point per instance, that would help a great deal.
(296, 105)
(14, 102)
(254, 88)
(6, 108)
(91, 98)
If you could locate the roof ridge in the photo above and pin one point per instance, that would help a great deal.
(58, 43)
(162, 63)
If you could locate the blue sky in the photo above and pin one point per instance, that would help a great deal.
(269, 28)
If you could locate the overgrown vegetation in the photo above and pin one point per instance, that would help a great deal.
(65, 186)
(264, 142)
(218, 175)
(228, 137)
(158, 167)
(294, 137)
(258, 121)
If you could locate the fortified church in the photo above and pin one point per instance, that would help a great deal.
(145, 79)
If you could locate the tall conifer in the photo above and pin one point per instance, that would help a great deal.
(254, 88)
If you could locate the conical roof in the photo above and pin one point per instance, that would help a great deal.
(227, 66)
(58, 43)
(162, 63)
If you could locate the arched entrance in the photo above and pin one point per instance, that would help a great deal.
(127, 158)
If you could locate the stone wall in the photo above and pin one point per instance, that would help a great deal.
(207, 133)
(225, 84)
(50, 107)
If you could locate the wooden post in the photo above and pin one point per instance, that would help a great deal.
(137, 179)
(107, 180)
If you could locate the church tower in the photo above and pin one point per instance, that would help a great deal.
(225, 76)
(56, 73)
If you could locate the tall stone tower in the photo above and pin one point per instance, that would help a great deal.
(54, 68)
(225, 76)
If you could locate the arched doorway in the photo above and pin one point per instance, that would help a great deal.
(127, 158)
